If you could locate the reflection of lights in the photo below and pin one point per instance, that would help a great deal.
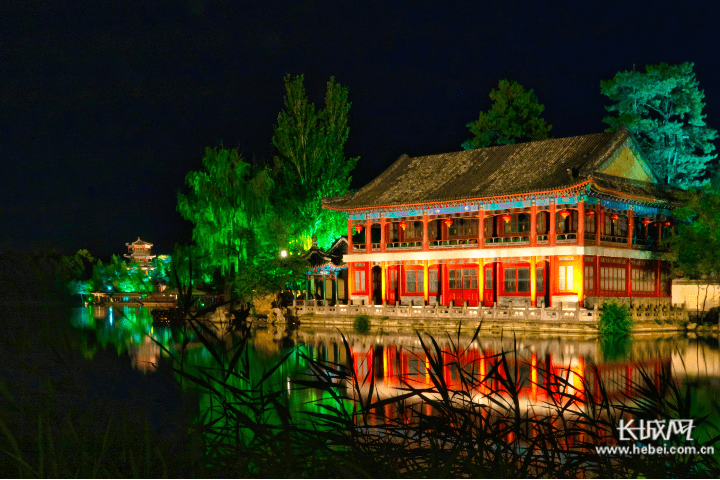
(110, 311)
(283, 253)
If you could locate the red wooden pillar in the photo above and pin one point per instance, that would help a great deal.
(658, 281)
(600, 219)
(383, 234)
(426, 239)
(533, 280)
(659, 230)
(581, 223)
(368, 235)
(596, 274)
(351, 281)
(552, 236)
(631, 227)
(628, 278)
(481, 227)
(445, 283)
(350, 235)
(533, 226)
(551, 278)
(401, 282)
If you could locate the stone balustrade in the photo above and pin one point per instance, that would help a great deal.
(539, 314)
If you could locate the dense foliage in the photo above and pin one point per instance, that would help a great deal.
(615, 319)
(228, 203)
(694, 245)
(662, 108)
(310, 162)
(515, 117)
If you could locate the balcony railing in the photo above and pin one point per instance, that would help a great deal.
(376, 247)
(566, 238)
(404, 245)
(519, 240)
(358, 247)
(455, 242)
(613, 239)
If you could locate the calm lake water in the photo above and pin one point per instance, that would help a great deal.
(400, 357)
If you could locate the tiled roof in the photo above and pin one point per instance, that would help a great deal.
(139, 242)
(315, 257)
(504, 170)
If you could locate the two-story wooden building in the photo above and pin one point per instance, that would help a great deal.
(139, 253)
(565, 220)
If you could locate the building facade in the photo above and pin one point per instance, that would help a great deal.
(572, 220)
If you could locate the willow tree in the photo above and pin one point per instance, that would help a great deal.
(228, 203)
(514, 117)
(662, 108)
(310, 162)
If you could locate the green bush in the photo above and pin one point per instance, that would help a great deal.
(361, 324)
(615, 319)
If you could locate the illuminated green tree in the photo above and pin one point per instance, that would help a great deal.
(662, 108)
(694, 245)
(310, 162)
(515, 117)
(228, 203)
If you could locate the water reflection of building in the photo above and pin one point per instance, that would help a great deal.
(569, 220)
(546, 370)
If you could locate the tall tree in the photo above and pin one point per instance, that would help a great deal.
(662, 108)
(229, 204)
(310, 161)
(515, 117)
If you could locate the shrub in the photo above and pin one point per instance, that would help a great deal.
(615, 319)
(712, 316)
(361, 324)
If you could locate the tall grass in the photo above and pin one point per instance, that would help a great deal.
(480, 426)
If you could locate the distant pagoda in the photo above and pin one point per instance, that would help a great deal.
(139, 253)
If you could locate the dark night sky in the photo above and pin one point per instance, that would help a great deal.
(105, 107)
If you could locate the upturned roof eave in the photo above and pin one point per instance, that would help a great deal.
(463, 199)
(595, 186)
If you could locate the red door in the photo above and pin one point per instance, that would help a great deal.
(462, 285)
(392, 285)
(489, 285)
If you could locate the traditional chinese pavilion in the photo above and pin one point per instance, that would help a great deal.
(326, 278)
(139, 253)
(569, 220)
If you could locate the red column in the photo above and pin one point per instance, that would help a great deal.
(551, 278)
(368, 237)
(383, 240)
(551, 233)
(596, 273)
(628, 278)
(581, 224)
(533, 225)
(350, 235)
(481, 227)
(631, 227)
(600, 219)
(426, 239)
(659, 230)
(658, 281)
(443, 297)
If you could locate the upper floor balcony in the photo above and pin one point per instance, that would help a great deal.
(574, 224)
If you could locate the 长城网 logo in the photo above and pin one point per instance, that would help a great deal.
(654, 429)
